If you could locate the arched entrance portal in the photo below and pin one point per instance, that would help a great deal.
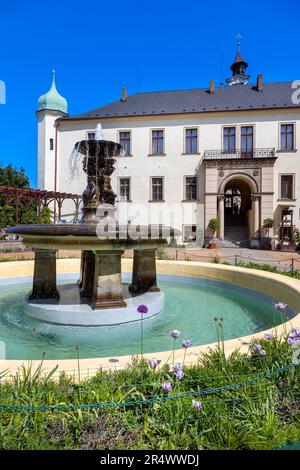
(238, 206)
(238, 210)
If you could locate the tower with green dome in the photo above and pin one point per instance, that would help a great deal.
(51, 106)
(52, 100)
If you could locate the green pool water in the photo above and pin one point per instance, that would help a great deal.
(190, 306)
(292, 446)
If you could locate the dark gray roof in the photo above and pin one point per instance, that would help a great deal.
(198, 100)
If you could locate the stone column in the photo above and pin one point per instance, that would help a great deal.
(44, 277)
(221, 216)
(255, 205)
(144, 272)
(88, 271)
(107, 281)
(80, 280)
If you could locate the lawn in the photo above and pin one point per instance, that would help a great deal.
(134, 408)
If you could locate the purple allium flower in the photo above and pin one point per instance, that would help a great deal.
(197, 405)
(167, 387)
(262, 352)
(153, 363)
(294, 336)
(256, 347)
(142, 308)
(186, 343)
(268, 336)
(177, 367)
(175, 334)
(293, 340)
(179, 375)
(294, 332)
(280, 306)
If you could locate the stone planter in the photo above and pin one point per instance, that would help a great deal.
(212, 245)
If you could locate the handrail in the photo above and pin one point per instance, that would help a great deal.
(239, 153)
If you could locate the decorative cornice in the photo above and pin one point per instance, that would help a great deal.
(242, 163)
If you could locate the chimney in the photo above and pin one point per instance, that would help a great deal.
(211, 86)
(124, 95)
(260, 82)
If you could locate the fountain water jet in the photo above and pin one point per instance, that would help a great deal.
(100, 285)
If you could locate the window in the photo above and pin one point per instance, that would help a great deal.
(287, 187)
(287, 137)
(91, 135)
(125, 141)
(190, 188)
(233, 201)
(51, 144)
(247, 142)
(229, 139)
(124, 189)
(189, 233)
(191, 140)
(158, 142)
(157, 189)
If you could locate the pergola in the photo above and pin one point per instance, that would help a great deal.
(40, 197)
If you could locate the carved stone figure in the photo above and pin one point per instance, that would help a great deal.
(89, 194)
(98, 164)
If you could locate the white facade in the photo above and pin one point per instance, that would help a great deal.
(262, 176)
(46, 149)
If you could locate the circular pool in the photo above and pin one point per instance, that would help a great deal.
(191, 304)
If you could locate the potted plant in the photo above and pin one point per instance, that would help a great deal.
(213, 224)
(267, 243)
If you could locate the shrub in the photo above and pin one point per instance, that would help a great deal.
(268, 223)
(161, 254)
(214, 224)
(216, 259)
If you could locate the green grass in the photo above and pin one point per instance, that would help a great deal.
(264, 415)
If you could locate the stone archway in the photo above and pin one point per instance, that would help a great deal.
(238, 209)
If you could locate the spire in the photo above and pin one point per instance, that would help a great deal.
(52, 100)
(53, 77)
(237, 62)
(238, 37)
(238, 67)
(53, 85)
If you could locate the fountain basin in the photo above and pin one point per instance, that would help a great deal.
(102, 246)
(258, 283)
(93, 236)
(70, 311)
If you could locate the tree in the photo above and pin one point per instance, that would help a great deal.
(28, 215)
(7, 214)
(268, 223)
(10, 176)
(214, 224)
(46, 215)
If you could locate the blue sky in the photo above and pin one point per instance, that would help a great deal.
(98, 47)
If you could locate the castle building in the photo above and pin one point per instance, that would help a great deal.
(230, 153)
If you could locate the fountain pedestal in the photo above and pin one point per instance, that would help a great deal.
(107, 283)
(86, 283)
(101, 282)
(44, 276)
(144, 271)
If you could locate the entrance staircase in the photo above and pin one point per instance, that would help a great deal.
(236, 232)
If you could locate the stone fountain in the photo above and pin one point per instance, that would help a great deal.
(99, 297)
